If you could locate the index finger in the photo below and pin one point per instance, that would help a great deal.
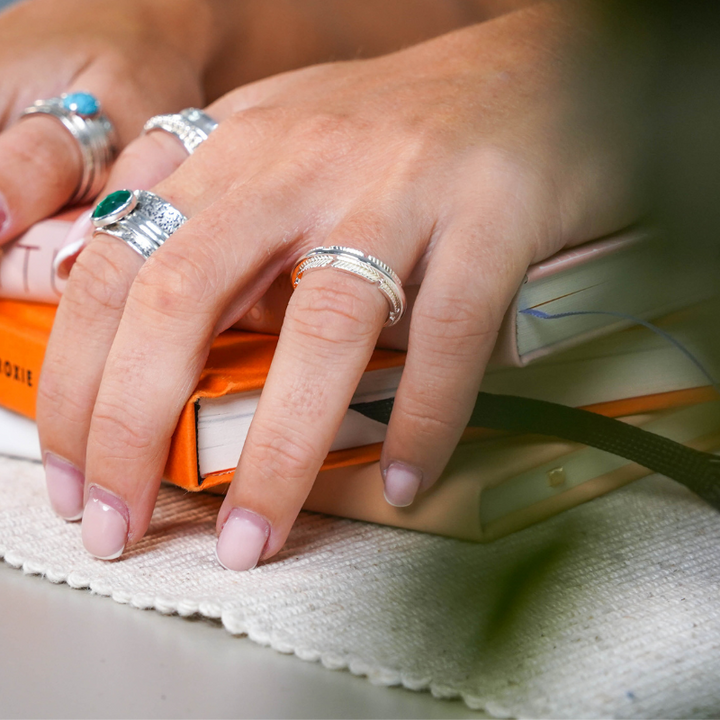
(37, 153)
(330, 330)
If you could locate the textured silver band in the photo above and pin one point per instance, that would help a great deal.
(191, 127)
(96, 139)
(148, 222)
(367, 267)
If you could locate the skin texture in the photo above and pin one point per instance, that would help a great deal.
(145, 57)
(458, 162)
(47, 48)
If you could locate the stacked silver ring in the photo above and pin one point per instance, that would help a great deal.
(367, 267)
(81, 115)
(191, 127)
(139, 218)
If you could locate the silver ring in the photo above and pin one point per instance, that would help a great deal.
(139, 218)
(81, 114)
(191, 127)
(367, 267)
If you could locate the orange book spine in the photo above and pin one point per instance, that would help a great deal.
(24, 332)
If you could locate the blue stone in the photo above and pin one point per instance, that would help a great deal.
(81, 103)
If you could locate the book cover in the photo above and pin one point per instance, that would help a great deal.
(487, 490)
(491, 490)
(238, 364)
(619, 272)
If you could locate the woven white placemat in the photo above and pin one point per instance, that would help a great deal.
(612, 609)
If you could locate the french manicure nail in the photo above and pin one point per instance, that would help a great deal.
(402, 483)
(65, 484)
(242, 540)
(76, 239)
(105, 524)
(4, 214)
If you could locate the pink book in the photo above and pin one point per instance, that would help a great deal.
(27, 269)
(621, 273)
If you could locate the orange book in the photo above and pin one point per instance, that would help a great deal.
(487, 490)
(236, 370)
(238, 364)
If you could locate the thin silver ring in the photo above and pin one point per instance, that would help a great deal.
(355, 262)
(191, 127)
(139, 218)
(81, 115)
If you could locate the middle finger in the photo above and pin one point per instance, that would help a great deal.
(87, 320)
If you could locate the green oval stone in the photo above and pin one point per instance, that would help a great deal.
(112, 203)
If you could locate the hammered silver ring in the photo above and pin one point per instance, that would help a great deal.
(191, 127)
(81, 115)
(139, 218)
(355, 262)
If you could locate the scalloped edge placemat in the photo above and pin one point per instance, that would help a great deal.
(609, 610)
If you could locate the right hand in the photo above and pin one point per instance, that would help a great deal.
(138, 57)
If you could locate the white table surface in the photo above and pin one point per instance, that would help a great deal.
(68, 653)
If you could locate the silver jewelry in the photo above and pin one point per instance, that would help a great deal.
(139, 218)
(356, 263)
(191, 127)
(81, 114)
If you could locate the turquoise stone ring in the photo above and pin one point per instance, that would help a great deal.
(82, 103)
(81, 115)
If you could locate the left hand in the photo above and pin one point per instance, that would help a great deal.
(456, 162)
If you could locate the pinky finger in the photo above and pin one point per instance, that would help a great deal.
(453, 329)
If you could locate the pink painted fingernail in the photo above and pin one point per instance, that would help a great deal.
(75, 241)
(65, 484)
(4, 214)
(242, 540)
(105, 524)
(402, 483)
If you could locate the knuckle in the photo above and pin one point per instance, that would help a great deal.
(56, 406)
(97, 279)
(121, 430)
(250, 124)
(420, 415)
(336, 313)
(172, 283)
(284, 455)
(454, 320)
(322, 126)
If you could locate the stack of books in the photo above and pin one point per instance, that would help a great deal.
(494, 484)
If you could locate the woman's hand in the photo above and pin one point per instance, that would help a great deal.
(145, 57)
(458, 162)
(138, 57)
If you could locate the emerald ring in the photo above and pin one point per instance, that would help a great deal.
(191, 127)
(139, 218)
(356, 263)
(81, 115)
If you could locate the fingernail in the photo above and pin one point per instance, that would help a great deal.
(242, 540)
(4, 214)
(105, 524)
(76, 239)
(401, 484)
(65, 484)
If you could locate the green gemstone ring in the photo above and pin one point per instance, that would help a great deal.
(112, 207)
(139, 218)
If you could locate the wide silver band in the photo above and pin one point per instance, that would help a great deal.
(367, 267)
(144, 223)
(96, 138)
(191, 127)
